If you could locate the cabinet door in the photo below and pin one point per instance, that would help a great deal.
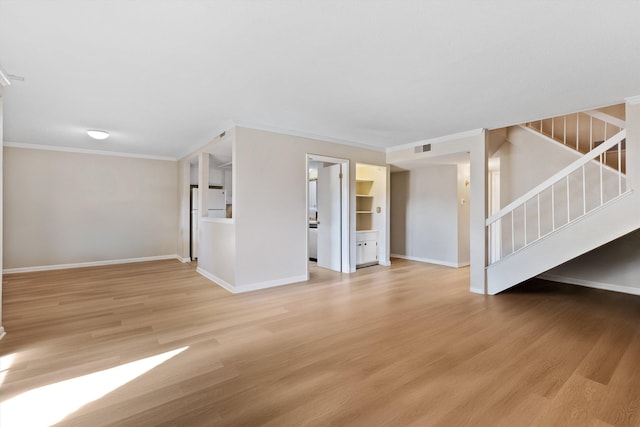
(370, 251)
(359, 253)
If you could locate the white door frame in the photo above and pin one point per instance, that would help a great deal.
(344, 208)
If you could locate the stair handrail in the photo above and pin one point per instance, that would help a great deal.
(606, 118)
(596, 152)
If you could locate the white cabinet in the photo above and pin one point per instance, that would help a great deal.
(366, 248)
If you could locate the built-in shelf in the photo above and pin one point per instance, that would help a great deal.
(364, 204)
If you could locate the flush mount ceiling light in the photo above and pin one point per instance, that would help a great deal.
(98, 134)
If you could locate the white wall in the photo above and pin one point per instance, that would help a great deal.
(217, 255)
(526, 160)
(464, 196)
(1, 207)
(270, 203)
(424, 214)
(67, 208)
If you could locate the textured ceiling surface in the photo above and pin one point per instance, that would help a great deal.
(166, 76)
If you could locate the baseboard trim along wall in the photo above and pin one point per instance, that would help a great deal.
(252, 286)
(590, 284)
(218, 281)
(429, 261)
(89, 264)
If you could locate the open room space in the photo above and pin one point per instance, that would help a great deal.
(407, 345)
(244, 213)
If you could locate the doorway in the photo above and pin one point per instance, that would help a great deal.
(328, 212)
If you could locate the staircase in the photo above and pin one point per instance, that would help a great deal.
(581, 207)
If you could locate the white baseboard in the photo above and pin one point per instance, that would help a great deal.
(218, 281)
(252, 286)
(477, 291)
(428, 261)
(590, 284)
(87, 264)
(183, 260)
(2, 332)
(271, 283)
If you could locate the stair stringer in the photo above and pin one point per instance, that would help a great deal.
(602, 225)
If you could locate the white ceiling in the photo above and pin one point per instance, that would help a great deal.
(166, 76)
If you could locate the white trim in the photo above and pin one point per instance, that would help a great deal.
(87, 264)
(4, 78)
(218, 281)
(271, 283)
(194, 150)
(429, 261)
(84, 151)
(477, 291)
(589, 283)
(385, 263)
(2, 332)
(183, 260)
(453, 136)
(633, 100)
(252, 286)
(308, 135)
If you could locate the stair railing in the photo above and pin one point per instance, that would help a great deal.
(565, 197)
(582, 131)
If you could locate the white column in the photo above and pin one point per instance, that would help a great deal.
(203, 184)
(478, 215)
(633, 142)
(2, 333)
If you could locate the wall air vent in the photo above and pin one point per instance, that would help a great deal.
(422, 148)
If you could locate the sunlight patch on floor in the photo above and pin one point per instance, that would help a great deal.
(50, 404)
(5, 363)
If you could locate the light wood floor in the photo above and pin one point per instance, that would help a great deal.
(406, 345)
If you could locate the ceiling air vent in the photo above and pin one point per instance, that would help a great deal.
(423, 148)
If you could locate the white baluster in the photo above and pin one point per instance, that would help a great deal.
(553, 208)
(513, 236)
(577, 131)
(590, 133)
(584, 192)
(538, 215)
(568, 204)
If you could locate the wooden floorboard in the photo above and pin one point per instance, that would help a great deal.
(385, 346)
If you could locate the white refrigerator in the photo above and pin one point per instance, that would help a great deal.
(216, 209)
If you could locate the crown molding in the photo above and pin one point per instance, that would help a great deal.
(445, 138)
(633, 100)
(227, 126)
(308, 135)
(84, 151)
(4, 77)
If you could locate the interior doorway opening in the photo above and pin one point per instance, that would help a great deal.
(328, 212)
